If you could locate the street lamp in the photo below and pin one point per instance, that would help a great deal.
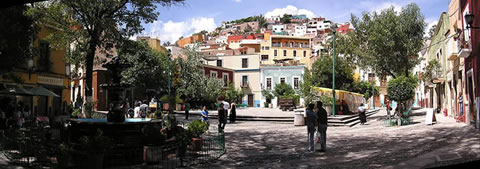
(469, 19)
(333, 27)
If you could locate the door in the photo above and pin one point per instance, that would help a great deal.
(250, 100)
(470, 100)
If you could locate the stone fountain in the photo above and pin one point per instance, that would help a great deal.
(115, 90)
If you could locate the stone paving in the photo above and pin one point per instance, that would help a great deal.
(254, 144)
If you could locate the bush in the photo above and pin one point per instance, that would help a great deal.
(402, 88)
(197, 128)
(283, 89)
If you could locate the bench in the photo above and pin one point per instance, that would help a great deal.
(404, 119)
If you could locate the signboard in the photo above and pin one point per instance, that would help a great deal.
(430, 117)
(50, 80)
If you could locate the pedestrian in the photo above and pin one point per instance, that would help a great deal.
(361, 114)
(222, 117)
(233, 113)
(322, 123)
(204, 114)
(388, 109)
(136, 110)
(20, 117)
(187, 109)
(345, 109)
(460, 101)
(226, 106)
(311, 124)
(144, 109)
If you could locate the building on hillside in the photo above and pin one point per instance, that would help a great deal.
(278, 29)
(298, 18)
(248, 40)
(246, 26)
(197, 38)
(46, 69)
(246, 66)
(300, 30)
(419, 70)
(221, 40)
(222, 73)
(274, 74)
(154, 43)
(275, 19)
(344, 28)
(469, 48)
(175, 52)
(277, 48)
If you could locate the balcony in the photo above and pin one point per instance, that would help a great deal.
(437, 77)
(244, 85)
(465, 48)
(451, 52)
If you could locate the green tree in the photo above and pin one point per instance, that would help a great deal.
(283, 89)
(365, 88)
(192, 85)
(322, 75)
(17, 32)
(305, 87)
(431, 70)
(388, 42)
(234, 95)
(148, 68)
(92, 25)
(262, 22)
(402, 89)
(285, 18)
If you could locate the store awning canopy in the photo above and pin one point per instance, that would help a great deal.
(15, 91)
(41, 91)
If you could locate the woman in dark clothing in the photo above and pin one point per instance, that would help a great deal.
(222, 117)
(361, 114)
(233, 113)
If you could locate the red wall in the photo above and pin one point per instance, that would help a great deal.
(219, 73)
(473, 60)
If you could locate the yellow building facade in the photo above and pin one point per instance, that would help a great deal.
(278, 48)
(47, 69)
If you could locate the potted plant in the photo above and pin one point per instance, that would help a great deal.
(268, 97)
(196, 129)
(152, 151)
(183, 138)
(63, 154)
(95, 146)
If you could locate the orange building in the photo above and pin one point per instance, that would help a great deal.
(189, 40)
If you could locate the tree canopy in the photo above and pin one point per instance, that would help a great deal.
(322, 75)
(402, 88)
(17, 32)
(388, 42)
(92, 25)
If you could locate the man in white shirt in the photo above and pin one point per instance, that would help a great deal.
(226, 106)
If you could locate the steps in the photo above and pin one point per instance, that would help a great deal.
(348, 120)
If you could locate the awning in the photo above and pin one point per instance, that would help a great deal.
(41, 91)
(16, 91)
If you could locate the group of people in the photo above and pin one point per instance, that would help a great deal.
(141, 109)
(317, 120)
(223, 114)
(14, 115)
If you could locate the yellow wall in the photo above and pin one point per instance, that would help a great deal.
(290, 50)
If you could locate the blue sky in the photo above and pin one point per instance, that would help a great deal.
(197, 15)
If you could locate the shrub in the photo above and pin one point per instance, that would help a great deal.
(197, 128)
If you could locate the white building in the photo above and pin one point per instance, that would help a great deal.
(278, 28)
(300, 30)
(221, 40)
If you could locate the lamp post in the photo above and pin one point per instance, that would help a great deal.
(334, 30)
(470, 18)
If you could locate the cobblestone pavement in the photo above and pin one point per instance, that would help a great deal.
(254, 144)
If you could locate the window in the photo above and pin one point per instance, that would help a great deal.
(291, 44)
(284, 52)
(213, 73)
(244, 63)
(274, 52)
(269, 83)
(304, 53)
(371, 77)
(267, 48)
(219, 63)
(231, 41)
(44, 57)
(225, 80)
(282, 80)
(297, 44)
(244, 81)
(294, 53)
(295, 82)
(264, 57)
(263, 47)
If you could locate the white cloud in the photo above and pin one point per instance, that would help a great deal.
(379, 8)
(171, 31)
(237, 1)
(290, 9)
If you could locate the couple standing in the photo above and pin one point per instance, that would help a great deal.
(223, 112)
(317, 118)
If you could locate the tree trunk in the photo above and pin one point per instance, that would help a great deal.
(92, 47)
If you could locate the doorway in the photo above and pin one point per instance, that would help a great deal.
(250, 100)
(471, 96)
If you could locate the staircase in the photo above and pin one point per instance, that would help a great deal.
(348, 120)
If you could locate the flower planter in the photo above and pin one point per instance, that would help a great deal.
(197, 144)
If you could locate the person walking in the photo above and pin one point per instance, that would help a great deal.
(233, 113)
(460, 102)
(322, 123)
(204, 114)
(388, 109)
(226, 106)
(361, 114)
(311, 124)
(222, 117)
